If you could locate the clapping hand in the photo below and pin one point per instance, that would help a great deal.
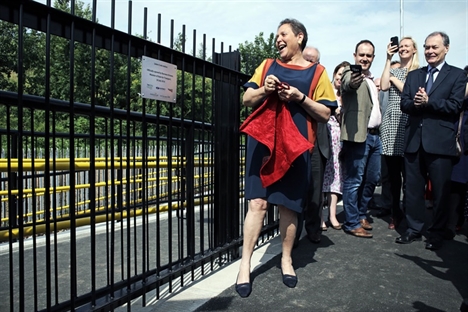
(421, 97)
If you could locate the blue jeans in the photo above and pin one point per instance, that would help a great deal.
(360, 176)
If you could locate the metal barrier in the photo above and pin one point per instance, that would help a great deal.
(129, 207)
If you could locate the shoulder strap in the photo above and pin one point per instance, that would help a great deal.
(265, 70)
(312, 126)
(318, 72)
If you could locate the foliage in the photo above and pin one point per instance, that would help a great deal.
(68, 64)
(98, 83)
(253, 53)
(194, 92)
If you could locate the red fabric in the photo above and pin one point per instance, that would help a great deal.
(285, 143)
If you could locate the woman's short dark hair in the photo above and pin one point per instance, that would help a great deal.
(337, 68)
(297, 27)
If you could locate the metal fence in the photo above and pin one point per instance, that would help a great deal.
(106, 196)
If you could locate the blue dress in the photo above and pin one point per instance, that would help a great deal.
(291, 190)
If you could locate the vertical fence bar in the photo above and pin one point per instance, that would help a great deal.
(12, 150)
(190, 148)
(110, 241)
(34, 207)
(219, 117)
(92, 157)
(158, 241)
(128, 148)
(144, 171)
(213, 232)
(20, 206)
(181, 165)
(203, 134)
(169, 170)
(72, 193)
(54, 209)
(47, 203)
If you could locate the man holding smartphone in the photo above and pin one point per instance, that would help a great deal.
(361, 119)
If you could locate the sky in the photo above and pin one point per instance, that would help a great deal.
(333, 26)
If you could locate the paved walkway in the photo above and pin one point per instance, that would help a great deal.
(342, 273)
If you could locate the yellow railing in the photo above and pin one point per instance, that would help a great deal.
(84, 164)
(82, 221)
(28, 193)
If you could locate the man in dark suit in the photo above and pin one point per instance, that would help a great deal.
(432, 97)
(466, 121)
(312, 214)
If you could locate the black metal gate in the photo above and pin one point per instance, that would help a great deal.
(106, 196)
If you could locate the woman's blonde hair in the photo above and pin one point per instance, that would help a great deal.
(415, 60)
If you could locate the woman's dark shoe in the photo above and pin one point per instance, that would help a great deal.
(408, 238)
(335, 227)
(394, 223)
(289, 280)
(244, 289)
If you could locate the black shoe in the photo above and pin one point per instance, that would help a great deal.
(464, 305)
(448, 234)
(433, 244)
(314, 238)
(408, 238)
(289, 280)
(383, 213)
(244, 289)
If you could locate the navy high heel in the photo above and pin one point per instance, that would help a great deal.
(289, 280)
(244, 289)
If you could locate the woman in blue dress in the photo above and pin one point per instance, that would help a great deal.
(308, 97)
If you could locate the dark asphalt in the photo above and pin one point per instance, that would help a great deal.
(346, 273)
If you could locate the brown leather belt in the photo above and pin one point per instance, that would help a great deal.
(373, 131)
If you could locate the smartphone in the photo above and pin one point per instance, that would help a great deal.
(356, 68)
(394, 41)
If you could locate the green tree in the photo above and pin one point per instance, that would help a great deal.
(8, 51)
(34, 76)
(193, 91)
(253, 53)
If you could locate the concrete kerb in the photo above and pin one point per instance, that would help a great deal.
(195, 294)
